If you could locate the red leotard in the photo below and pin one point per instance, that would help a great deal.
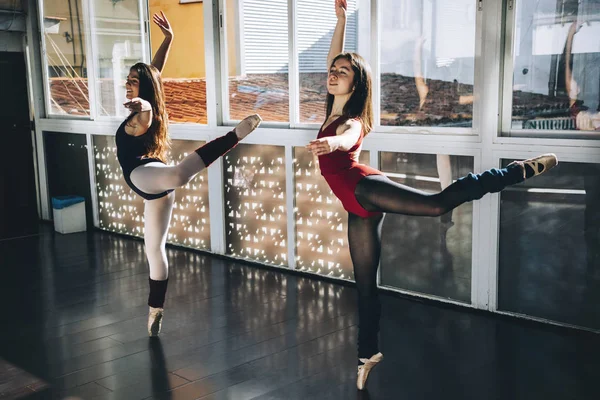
(342, 171)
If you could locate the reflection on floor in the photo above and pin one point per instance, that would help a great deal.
(75, 311)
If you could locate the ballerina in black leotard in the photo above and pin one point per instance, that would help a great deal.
(142, 142)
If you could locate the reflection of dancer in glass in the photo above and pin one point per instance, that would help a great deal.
(366, 193)
(585, 121)
(142, 143)
(444, 166)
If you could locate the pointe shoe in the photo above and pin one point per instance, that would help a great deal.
(247, 125)
(363, 370)
(537, 165)
(155, 316)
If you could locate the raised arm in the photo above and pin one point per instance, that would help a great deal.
(160, 58)
(337, 41)
(570, 84)
(422, 88)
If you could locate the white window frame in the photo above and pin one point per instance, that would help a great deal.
(45, 65)
(91, 51)
(507, 92)
(484, 141)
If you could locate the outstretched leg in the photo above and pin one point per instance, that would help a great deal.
(378, 193)
(156, 177)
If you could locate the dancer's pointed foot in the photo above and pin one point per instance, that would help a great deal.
(247, 125)
(365, 368)
(537, 165)
(155, 316)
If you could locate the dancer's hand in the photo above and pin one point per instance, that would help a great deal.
(323, 146)
(340, 8)
(138, 105)
(164, 25)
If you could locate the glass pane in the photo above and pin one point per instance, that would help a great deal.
(119, 45)
(65, 36)
(255, 209)
(316, 21)
(423, 254)
(257, 51)
(556, 78)
(122, 211)
(549, 258)
(427, 62)
(184, 75)
(321, 221)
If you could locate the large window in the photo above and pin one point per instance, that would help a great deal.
(184, 75)
(258, 59)
(316, 21)
(70, 29)
(119, 44)
(555, 66)
(423, 254)
(64, 31)
(549, 263)
(427, 62)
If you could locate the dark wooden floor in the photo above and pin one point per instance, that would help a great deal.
(74, 324)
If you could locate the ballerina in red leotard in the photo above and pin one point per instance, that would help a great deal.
(367, 194)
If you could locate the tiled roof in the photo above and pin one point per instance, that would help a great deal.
(186, 100)
(69, 96)
(269, 95)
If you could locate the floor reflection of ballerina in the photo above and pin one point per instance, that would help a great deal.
(158, 370)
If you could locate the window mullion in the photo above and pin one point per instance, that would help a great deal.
(91, 51)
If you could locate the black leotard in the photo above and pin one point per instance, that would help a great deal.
(131, 152)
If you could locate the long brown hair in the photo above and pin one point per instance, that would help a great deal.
(151, 90)
(360, 104)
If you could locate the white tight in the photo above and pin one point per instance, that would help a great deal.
(156, 177)
(157, 216)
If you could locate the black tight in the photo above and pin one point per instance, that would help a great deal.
(364, 239)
